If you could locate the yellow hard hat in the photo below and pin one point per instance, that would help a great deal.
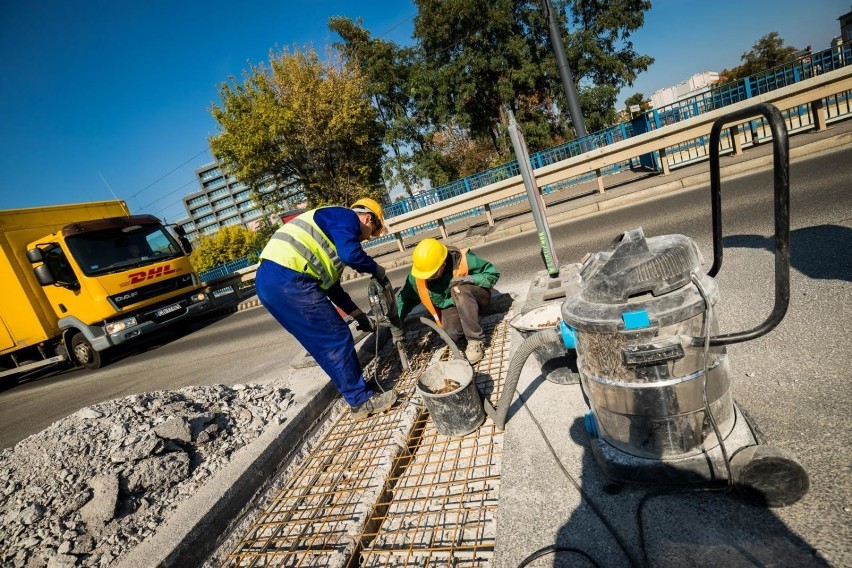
(428, 256)
(367, 205)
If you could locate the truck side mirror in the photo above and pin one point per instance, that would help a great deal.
(43, 274)
(184, 242)
(35, 255)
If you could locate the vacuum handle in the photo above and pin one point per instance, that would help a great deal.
(781, 182)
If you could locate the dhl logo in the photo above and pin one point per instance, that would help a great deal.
(136, 277)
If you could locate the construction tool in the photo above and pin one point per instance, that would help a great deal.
(383, 310)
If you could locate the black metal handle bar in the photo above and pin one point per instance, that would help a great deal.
(781, 182)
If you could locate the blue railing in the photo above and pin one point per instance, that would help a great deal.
(717, 97)
(227, 268)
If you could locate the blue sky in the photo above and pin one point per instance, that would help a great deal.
(113, 96)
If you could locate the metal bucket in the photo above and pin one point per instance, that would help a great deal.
(456, 411)
(558, 364)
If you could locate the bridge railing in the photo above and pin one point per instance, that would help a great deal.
(686, 139)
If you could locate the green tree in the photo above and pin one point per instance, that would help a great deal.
(300, 123)
(387, 69)
(637, 99)
(481, 56)
(767, 52)
(227, 244)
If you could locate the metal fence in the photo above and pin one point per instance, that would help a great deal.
(798, 118)
(717, 97)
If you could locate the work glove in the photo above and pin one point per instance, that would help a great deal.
(462, 280)
(364, 323)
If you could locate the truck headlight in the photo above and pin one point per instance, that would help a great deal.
(120, 325)
(200, 297)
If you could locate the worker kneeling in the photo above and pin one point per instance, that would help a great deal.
(299, 278)
(455, 287)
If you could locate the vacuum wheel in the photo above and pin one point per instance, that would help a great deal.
(769, 476)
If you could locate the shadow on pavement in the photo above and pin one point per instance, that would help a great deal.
(820, 252)
(696, 529)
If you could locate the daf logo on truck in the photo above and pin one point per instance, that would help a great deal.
(124, 297)
(137, 277)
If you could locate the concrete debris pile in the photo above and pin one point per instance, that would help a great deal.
(93, 485)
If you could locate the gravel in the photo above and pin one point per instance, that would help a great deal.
(87, 489)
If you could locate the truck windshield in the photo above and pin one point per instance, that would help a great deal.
(113, 250)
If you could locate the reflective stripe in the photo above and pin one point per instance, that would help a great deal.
(323, 242)
(309, 257)
(302, 246)
(426, 300)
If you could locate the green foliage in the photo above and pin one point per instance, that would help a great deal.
(301, 123)
(388, 71)
(229, 243)
(442, 101)
(767, 52)
(637, 99)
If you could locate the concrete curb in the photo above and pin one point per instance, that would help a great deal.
(187, 539)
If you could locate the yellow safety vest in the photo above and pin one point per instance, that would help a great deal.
(423, 291)
(301, 245)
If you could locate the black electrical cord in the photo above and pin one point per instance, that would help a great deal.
(552, 549)
(708, 318)
(585, 498)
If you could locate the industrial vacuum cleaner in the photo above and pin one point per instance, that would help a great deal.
(653, 367)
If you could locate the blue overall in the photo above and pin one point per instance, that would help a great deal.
(298, 302)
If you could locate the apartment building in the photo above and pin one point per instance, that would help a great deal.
(220, 201)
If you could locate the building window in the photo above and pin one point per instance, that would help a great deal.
(219, 193)
(210, 174)
(217, 181)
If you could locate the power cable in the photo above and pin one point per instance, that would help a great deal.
(169, 173)
(708, 318)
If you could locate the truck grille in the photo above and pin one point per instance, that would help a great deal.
(150, 291)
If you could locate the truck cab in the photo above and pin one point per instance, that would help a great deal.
(111, 280)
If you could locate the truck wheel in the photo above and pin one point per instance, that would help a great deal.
(85, 353)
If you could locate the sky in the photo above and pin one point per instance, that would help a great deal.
(111, 98)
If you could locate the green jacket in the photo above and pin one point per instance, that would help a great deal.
(480, 272)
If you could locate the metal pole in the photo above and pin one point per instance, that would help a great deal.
(548, 252)
(565, 72)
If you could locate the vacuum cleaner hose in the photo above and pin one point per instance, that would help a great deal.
(519, 359)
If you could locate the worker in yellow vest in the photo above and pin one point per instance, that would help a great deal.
(298, 281)
(455, 287)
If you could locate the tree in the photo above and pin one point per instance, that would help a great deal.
(767, 52)
(227, 244)
(387, 69)
(637, 99)
(300, 122)
(482, 56)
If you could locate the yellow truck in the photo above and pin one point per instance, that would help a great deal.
(77, 280)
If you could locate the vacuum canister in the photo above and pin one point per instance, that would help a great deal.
(633, 319)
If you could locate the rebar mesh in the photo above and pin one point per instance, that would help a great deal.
(389, 490)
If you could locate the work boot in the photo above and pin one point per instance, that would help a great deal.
(475, 351)
(377, 403)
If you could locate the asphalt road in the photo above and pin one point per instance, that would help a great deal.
(800, 399)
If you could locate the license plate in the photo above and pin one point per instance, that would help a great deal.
(167, 310)
(223, 292)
